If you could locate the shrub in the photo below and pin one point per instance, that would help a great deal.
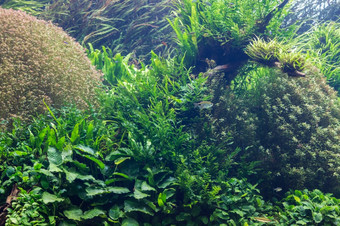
(292, 127)
(39, 61)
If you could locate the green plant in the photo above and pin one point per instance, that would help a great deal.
(28, 209)
(265, 52)
(30, 6)
(123, 26)
(284, 121)
(324, 42)
(39, 61)
(292, 61)
(310, 208)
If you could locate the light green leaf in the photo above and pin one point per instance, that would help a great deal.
(74, 214)
(121, 159)
(130, 222)
(139, 195)
(47, 198)
(92, 213)
(85, 149)
(54, 156)
(75, 133)
(70, 176)
(95, 191)
(118, 190)
(297, 199)
(53, 168)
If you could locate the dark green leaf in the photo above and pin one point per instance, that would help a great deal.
(115, 212)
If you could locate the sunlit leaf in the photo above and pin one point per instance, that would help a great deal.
(118, 190)
(50, 198)
(92, 213)
(74, 214)
(121, 159)
(139, 195)
(54, 156)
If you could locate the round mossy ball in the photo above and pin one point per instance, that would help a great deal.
(39, 61)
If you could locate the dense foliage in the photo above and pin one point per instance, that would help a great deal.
(39, 61)
(168, 144)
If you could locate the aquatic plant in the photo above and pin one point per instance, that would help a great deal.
(266, 52)
(324, 43)
(39, 61)
(30, 6)
(123, 26)
(292, 61)
(285, 121)
(310, 207)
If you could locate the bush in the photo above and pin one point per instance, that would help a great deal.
(291, 125)
(39, 61)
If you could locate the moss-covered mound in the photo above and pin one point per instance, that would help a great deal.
(290, 125)
(40, 61)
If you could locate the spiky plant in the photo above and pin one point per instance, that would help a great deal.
(292, 61)
(265, 52)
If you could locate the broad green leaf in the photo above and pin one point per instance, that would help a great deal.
(32, 137)
(85, 177)
(95, 191)
(74, 214)
(66, 154)
(161, 199)
(61, 143)
(139, 195)
(130, 222)
(115, 212)
(118, 190)
(47, 198)
(297, 199)
(167, 182)
(131, 206)
(146, 187)
(92, 213)
(54, 156)
(53, 168)
(46, 172)
(85, 149)
(75, 133)
(317, 217)
(70, 176)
